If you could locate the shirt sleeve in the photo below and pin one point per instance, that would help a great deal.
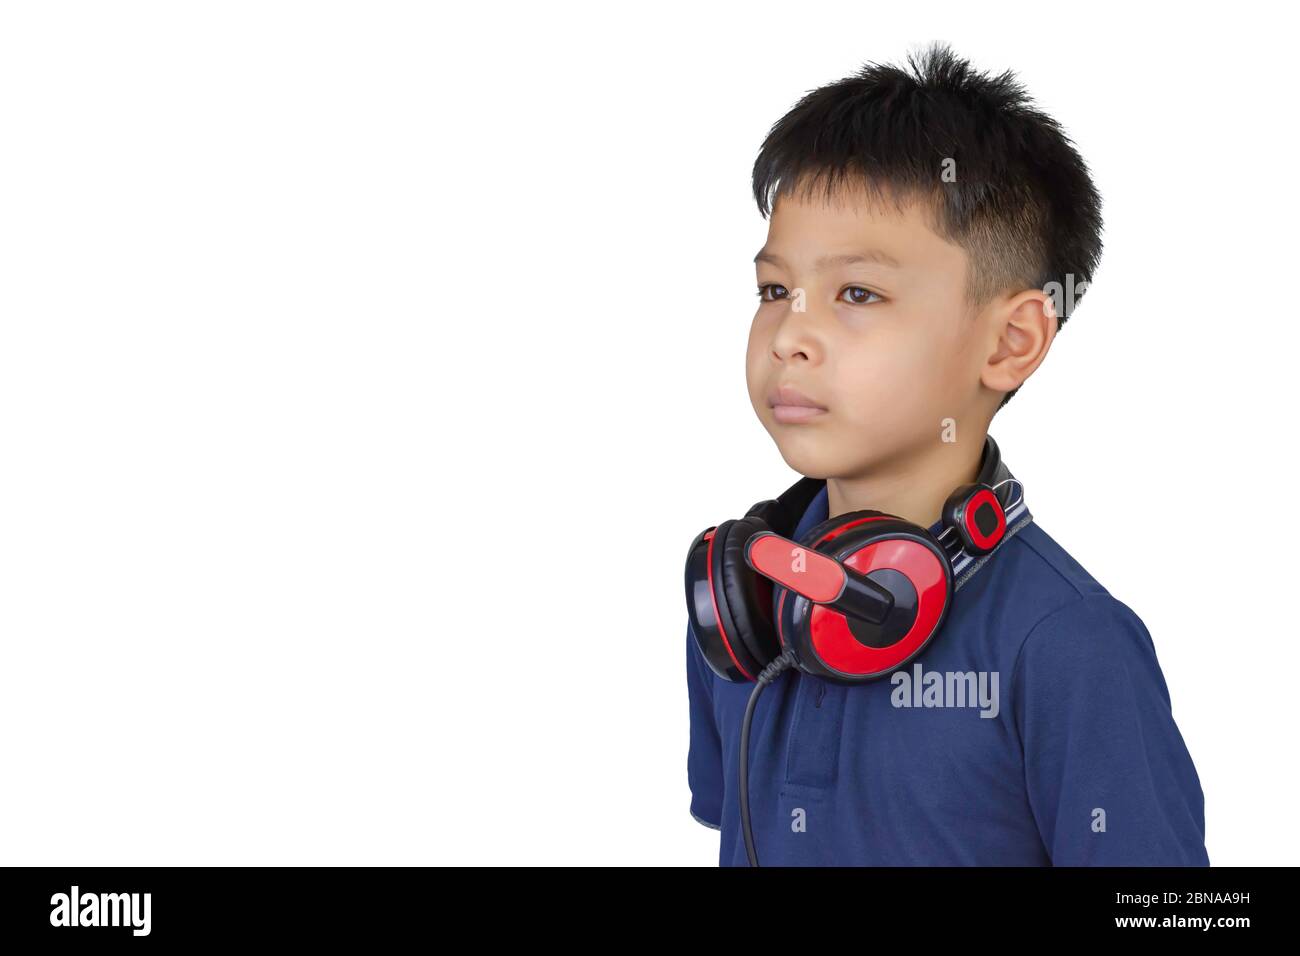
(1109, 778)
(704, 756)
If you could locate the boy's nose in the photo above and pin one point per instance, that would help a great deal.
(797, 337)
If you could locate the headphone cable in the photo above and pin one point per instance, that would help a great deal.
(765, 677)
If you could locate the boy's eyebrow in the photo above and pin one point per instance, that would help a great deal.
(827, 262)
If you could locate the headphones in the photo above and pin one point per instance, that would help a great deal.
(852, 599)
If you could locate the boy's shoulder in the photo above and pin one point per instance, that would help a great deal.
(1052, 568)
(1033, 584)
(1054, 627)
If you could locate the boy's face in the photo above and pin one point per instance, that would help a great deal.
(888, 349)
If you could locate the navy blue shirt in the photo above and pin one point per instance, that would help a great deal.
(1055, 745)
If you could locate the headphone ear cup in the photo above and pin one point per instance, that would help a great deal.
(744, 596)
(895, 553)
(730, 606)
(791, 610)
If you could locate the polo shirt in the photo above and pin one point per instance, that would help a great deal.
(1035, 729)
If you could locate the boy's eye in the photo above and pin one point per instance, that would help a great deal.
(859, 299)
(773, 292)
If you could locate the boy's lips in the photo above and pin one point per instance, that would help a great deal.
(791, 406)
(795, 414)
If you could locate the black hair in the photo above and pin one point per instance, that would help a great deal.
(1022, 203)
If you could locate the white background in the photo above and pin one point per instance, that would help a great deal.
(368, 368)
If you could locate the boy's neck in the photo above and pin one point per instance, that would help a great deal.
(912, 487)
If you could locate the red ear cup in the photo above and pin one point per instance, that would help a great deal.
(729, 605)
(892, 552)
(975, 514)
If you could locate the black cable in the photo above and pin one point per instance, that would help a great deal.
(765, 677)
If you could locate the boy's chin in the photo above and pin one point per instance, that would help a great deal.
(811, 458)
(830, 453)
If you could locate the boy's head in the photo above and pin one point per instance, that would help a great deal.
(918, 221)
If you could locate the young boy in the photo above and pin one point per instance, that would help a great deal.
(931, 232)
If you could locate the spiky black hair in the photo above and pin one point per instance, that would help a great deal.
(1022, 204)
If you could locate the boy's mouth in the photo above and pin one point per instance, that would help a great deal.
(795, 414)
(791, 406)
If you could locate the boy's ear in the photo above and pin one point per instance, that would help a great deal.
(1023, 326)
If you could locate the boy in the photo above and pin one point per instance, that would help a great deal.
(924, 227)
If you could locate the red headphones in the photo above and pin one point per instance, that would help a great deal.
(855, 597)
